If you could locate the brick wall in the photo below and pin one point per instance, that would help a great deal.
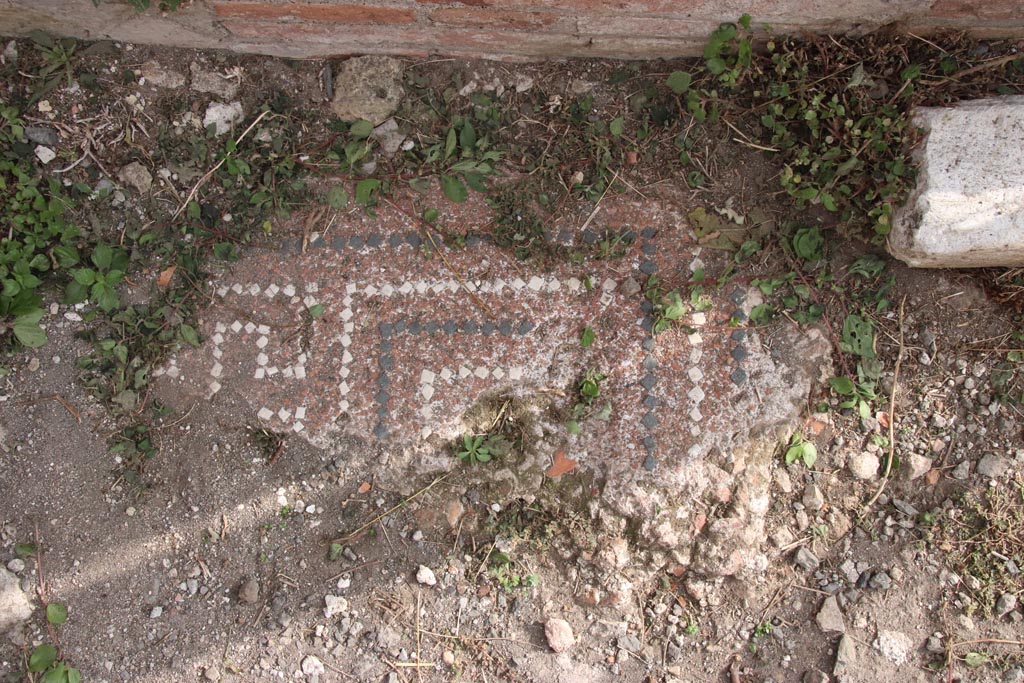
(502, 29)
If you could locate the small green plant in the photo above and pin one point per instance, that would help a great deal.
(801, 450)
(502, 569)
(667, 307)
(587, 392)
(857, 395)
(57, 67)
(45, 659)
(729, 50)
(98, 284)
(482, 448)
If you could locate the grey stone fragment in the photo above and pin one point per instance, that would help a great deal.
(962, 470)
(648, 267)
(813, 498)
(1006, 603)
(42, 135)
(648, 381)
(212, 82)
(630, 287)
(450, 327)
(137, 176)
(389, 137)
(863, 465)
(739, 354)
(881, 581)
(918, 466)
(894, 646)
(223, 117)
(367, 88)
(650, 402)
(249, 591)
(830, 617)
(992, 466)
(648, 232)
(806, 559)
(650, 420)
(525, 327)
(374, 240)
(157, 74)
(738, 376)
(356, 242)
(650, 462)
(380, 431)
(846, 656)
(966, 209)
(738, 335)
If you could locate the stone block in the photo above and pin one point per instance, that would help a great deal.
(968, 208)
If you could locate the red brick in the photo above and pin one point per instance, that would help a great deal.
(522, 21)
(334, 14)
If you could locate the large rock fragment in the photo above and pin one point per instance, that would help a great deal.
(367, 88)
(968, 208)
(15, 605)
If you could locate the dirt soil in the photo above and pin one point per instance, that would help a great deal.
(239, 556)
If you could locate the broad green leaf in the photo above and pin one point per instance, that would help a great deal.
(316, 310)
(616, 126)
(27, 330)
(467, 138)
(74, 675)
(679, 81)
(102, 256)
(975, 659)
(809, 453)
(84, 276)
(361, 129)
(365, 190)
(842, 385)
(105, 296)
(337, 197)
(430, 215)
(188, 334)
(24, 550)
(42, 657)
(587, 338)
(56, 613)
(450, 144)
(453, 189)
(573, 427)
(716, 65)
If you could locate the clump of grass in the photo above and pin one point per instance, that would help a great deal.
(985, 540)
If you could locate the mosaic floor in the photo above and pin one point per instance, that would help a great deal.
(376, 328)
